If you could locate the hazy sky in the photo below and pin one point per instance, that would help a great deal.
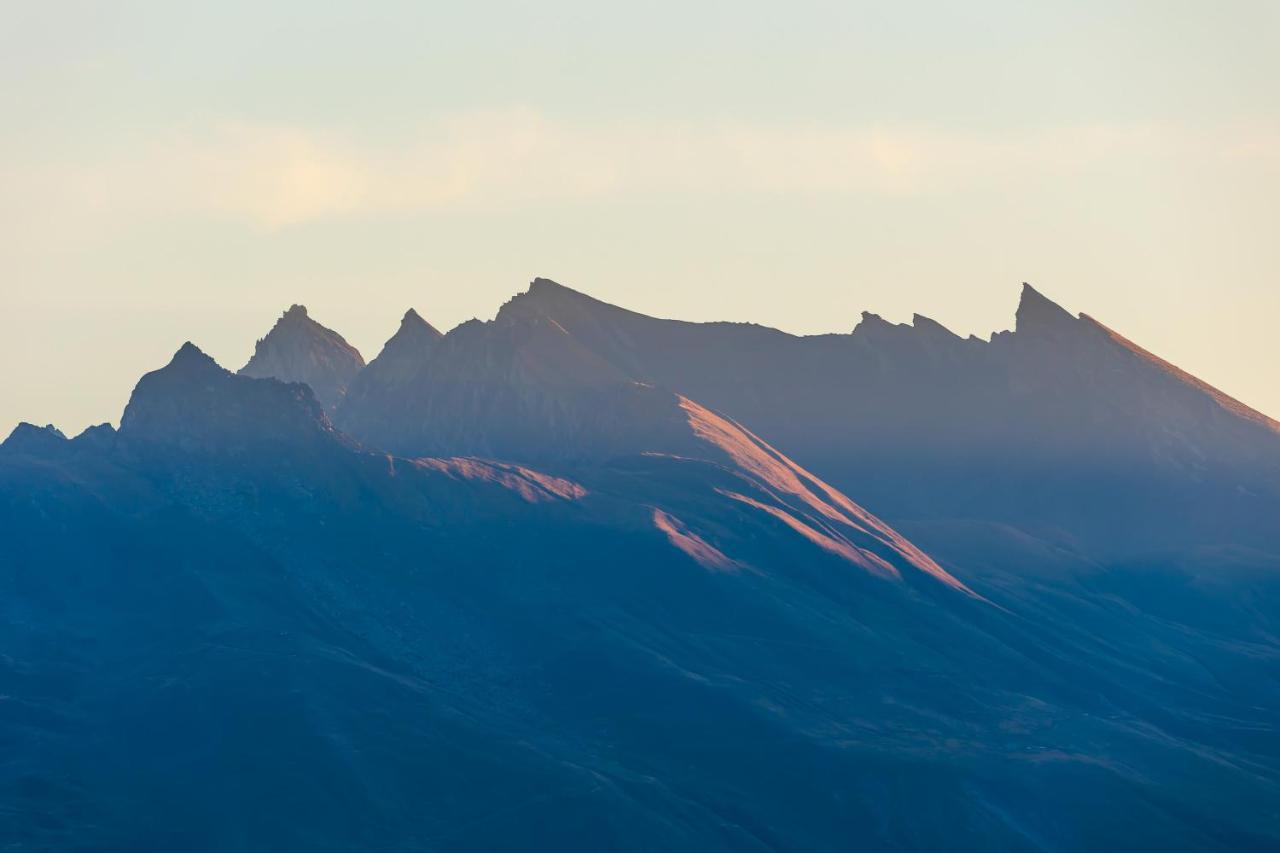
(174, 171)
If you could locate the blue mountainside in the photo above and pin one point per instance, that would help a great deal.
(581, 579)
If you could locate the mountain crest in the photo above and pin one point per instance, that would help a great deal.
(412, 323)
(34, 440)
(196, 405)
(190, 358)
(298, 349)
(1038, 313)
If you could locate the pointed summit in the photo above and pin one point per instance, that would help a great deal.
(568, 307)
(1036, 312)
(191, 359)
(402, 356)
(298, 349)
(871, 324)
(196, 405)
(413, 324)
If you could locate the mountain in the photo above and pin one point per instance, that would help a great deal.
(1061, 427)
(518, 591)
(298, 349)
(403, 356)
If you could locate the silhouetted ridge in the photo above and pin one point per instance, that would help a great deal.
(413, 333)
(1037, 313)
(99, 436)
(872, 324)
(34, 440)
(196, 405)
(565, 305)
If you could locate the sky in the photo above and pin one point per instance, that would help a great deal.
(182, 171)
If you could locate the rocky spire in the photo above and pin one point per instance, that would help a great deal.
(298, 349)
(1037, 313)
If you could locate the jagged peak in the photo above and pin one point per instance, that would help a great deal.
(544, 286)
(191, 357)
(298, 349)
(412, 321)
(1038, 312)
(27, 428)
(550, 298)
(35, 440)
(871, 322)
(193, 403)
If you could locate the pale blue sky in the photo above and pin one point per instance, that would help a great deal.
(169, 171)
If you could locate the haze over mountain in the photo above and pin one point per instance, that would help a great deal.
(554, 581)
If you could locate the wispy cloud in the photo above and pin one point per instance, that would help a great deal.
(275, 176)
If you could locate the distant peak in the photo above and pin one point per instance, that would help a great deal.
(1036, 311)
(413, 327)
(870, 319)
(189, 355)
(412, 322)
(543, 290)
(31, 429)
(546, 285)
(296, 312)
(193, 403)
(34, 440)
(874, 325)
(549, 298)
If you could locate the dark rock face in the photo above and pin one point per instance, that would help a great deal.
(638, 623)
(298, 349)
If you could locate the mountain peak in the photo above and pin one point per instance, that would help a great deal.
(298, 349)
(871, 322)
(413, 323)
(545, 285)
(34, 440)
(190, 358)
(1038, 312)
(552, 299)
(195, 404)
(401, 357)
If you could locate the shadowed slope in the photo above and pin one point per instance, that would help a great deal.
(227, 626)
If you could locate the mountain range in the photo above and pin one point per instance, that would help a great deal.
(579, 578)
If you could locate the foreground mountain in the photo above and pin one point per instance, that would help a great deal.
(539, 599)
(298, 349)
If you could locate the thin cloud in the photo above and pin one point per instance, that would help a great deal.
(276, 176)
